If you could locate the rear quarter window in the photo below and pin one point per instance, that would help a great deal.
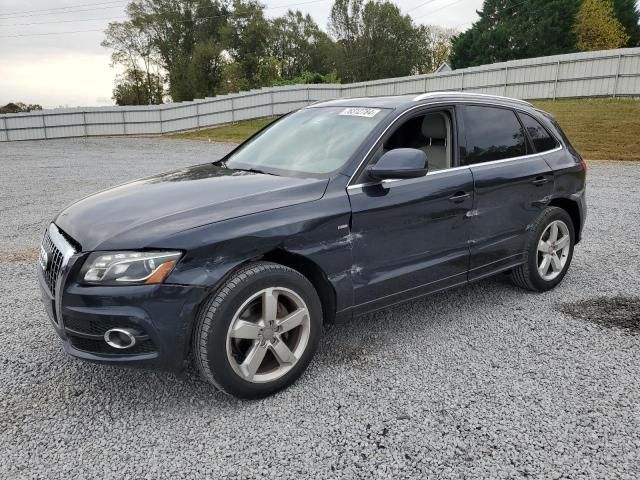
(492, 133)
(542, 140)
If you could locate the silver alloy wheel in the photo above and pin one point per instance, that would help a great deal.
(553, 250)
(268, 335)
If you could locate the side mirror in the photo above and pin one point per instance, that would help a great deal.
(400, 163)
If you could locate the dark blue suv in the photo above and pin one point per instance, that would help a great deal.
(335, 210)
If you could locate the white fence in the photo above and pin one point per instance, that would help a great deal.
(608, 73)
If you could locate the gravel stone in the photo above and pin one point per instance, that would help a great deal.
(485, 381)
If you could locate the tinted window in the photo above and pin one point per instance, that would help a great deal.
(492, 134)
(541, 139)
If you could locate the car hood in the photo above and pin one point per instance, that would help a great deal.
(141, 213)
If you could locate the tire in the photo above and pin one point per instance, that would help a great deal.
(529, 275)
(239, 352)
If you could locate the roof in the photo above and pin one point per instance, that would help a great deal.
(397, 101)
(443, 68)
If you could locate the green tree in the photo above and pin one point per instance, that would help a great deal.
(135, 87)
(248, 34)
(629, 15)
(597, 27)
(299, 45)
(512, 29)
(19, 107)
(133, 49)
(374, 40)
(183, 32)
(205, 69)
(233, 79)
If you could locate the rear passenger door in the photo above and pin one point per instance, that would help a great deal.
(512, 184)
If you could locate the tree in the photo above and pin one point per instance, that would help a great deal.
(438, 41)
(184, 35)
(597, 28)
(374, 40)
(248, 34)
(135, 87)
(19, 107)
(132, 49)
(628, 14)
(299, 45)
(512, 29)
(205, 69)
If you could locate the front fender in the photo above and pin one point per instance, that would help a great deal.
(318, 231)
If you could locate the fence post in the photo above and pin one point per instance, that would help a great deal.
(44, 124)
(161, 124)
(198, 115)
(462, 85)
(506, 79)
(233, 110)
(124, 123)
(615, 84)
(6, 130)
(555, 84)
(84, 122)
(272, 100)
(308, 95)
(426, 82)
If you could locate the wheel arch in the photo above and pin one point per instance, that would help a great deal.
(572, 208)
(314, 273)
(303, 265)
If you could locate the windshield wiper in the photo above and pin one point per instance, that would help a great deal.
(224, 164)
(254, 170)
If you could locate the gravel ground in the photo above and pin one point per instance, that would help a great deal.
(486, 381)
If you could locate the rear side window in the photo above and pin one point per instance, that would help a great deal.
(492, 134)
(542, 140)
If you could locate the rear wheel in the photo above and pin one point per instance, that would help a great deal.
(548, 252)
(257, 334)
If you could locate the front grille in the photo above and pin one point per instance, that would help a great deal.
(100, 346)
(54, 265)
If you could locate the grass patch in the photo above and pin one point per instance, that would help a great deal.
(230, 133)
(601, 129)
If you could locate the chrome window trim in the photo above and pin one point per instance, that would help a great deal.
(448, 102)
(470, 167)
(395, 180)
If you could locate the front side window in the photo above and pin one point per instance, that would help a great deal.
(542, 140)
(429, 132)
(313, 141)
(492, 134)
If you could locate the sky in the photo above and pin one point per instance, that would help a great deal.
(39, 64)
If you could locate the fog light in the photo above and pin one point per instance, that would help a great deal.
(120, 338)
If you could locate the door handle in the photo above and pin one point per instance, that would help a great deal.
(459, 197)
(540, 180)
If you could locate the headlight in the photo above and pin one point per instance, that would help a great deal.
(122, 268)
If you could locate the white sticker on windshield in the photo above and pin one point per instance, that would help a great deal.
(360, 112)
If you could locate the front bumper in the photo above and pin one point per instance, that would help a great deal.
(163, 315)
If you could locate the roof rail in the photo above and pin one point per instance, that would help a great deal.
(423, 96)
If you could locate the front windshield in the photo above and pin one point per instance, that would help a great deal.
(311, 141)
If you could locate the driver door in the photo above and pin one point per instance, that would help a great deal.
(410, 236)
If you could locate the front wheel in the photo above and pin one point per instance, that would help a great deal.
(257, 334)
(548, 252)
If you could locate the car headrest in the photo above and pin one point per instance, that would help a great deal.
(434, 128)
